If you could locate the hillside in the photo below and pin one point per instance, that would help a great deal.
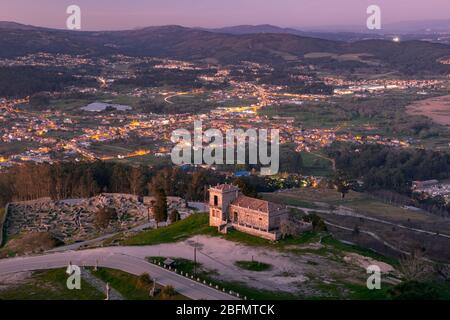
(225, 48)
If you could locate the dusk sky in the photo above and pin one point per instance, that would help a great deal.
(126, 14)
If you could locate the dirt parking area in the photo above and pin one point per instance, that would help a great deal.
(295, 269)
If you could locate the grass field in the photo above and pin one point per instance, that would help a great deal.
(315, 165)
(49, 285)
(436, 108)
(178, 231)
(359, 202)
(289, 200)
(128, 285)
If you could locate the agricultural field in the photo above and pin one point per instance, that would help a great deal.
(438, 109)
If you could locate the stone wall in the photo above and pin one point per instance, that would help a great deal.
(75, 219)
(249, 217)
(272, 236)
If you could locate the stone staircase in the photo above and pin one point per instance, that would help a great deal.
(223, 228)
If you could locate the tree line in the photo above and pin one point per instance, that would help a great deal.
(383, 167)
(387, 168)
(80, 180)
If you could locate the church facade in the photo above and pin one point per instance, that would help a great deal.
(231, 209)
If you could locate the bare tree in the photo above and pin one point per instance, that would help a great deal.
(135, 180)
(414, 267)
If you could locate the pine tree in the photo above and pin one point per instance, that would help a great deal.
(160, 208)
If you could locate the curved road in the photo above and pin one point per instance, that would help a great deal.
(130, 260)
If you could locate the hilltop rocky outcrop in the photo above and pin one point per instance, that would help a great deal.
(76, 220)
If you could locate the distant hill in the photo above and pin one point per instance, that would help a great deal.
(17, 26)
(267, 28)
(252, 29)
(218, 47)
(425, 26)
(434, 31)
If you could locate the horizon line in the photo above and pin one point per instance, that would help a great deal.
(323, 29)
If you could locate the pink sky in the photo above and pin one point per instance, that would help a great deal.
(125, 14)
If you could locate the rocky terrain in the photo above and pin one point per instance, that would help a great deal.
(78, 219)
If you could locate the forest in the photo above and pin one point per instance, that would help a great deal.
(382, 167)
(24, 81)
(67, 180)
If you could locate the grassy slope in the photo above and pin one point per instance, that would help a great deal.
(195, 224)
(127, 285)
(315, 165)
(50, 285)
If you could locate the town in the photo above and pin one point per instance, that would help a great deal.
(60, 135)
(242, 163)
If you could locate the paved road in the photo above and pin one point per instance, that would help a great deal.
(115, 258)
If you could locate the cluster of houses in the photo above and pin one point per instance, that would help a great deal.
(432, 189)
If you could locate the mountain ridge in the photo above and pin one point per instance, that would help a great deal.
(173, 41)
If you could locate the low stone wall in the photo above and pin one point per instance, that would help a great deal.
(272, 236)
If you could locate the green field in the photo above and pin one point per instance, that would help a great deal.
(359, 202)
(315, 165)
(178, 231)
(49, 285)
(131, 287)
